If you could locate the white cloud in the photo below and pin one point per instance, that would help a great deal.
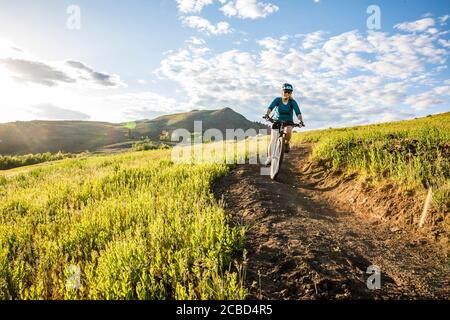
(272, 44)
(203, 25)
(37, 72)
(433, 97)
(350, 78)
(345, 79)
(58, 73)
(243, 9)
(49, 111)
(248, 9)
(445, 43)
(195, 41)
(32, 87)
(192, 6)
(9, 50)
(390, 116)
(71, 90)
(142, 105)
(22, 67)
(443, 19)
(346, 42)
(311, 39)
(99, 78)
(416, 26)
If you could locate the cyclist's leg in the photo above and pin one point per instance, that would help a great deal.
(273, 138)
(288, 130)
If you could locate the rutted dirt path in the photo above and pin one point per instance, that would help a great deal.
(302, 247)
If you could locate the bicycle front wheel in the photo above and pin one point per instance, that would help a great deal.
(277, 158)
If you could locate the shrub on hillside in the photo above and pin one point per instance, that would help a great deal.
(145, 145)
(10, 162)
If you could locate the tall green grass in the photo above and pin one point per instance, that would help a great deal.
(415, 153)
(136, 226)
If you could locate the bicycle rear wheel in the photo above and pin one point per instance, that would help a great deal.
(277, 158)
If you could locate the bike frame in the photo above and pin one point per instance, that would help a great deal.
(277, 146)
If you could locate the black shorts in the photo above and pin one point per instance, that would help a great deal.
(277, 124)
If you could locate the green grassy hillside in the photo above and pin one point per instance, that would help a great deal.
(139, 226)
(416, 153)
(130, 226)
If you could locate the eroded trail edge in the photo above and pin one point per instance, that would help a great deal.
(302, 246)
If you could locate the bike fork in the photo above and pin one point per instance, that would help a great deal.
(274, 139)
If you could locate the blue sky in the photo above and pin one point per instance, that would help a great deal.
(139, 59)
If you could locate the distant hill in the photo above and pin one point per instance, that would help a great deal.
(220, 119)
(76, 136)
(53, 136)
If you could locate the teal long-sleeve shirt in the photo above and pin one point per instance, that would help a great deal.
(284, 112)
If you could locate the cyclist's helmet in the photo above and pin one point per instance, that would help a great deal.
(287, 87)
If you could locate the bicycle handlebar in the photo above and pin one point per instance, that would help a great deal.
(301, 124)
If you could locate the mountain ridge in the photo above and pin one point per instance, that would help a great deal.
(38, 136)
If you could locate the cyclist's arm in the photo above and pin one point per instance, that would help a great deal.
(272, 106)
(297, 111)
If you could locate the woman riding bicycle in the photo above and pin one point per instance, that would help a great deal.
(286, 105)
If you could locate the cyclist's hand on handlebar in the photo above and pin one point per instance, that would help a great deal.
(301, 124)
(266, 116)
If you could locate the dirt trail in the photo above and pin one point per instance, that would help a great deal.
(301, 246)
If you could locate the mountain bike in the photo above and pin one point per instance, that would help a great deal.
(278, 145)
